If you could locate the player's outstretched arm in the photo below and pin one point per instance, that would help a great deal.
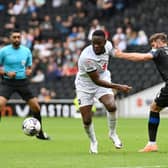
(123, 88)
(134, 56)
(98, 81)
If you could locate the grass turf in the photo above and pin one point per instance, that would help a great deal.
(69, 145)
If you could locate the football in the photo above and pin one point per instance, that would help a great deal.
(31, 126)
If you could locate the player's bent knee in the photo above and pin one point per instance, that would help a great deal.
(155, 108)
(3, 102)
(35, 108)
(112, 108)
(87, 122)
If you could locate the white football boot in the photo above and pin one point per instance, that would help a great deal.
(93, 147)
(116, 141)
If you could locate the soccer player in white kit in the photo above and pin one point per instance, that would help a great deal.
(93, 80)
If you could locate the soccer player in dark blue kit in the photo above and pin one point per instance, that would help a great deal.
(16, 61)
(159, 54)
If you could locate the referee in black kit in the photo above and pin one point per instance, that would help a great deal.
(159, 54)
(16, 61)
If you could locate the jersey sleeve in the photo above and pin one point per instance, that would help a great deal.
(155, 52)
(109, 48)
(89, 65)
(29, 59)
(1, 56)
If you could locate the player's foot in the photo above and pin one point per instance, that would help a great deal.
(149, 148)
(116, 141)
(43, 136)
(93, 147)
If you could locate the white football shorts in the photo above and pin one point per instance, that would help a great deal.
(85, 98)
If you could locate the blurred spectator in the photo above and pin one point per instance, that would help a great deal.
(53, 72)
(95, 25)
(80, 19)
(106, 8)
(37, 34)
(18, 7)
(40, 47)
(142, 38)
(68, 22)
(27, 39)
(81, 37)
(119, 39)
(72, 37)
(120, 4)
(79, 7)
(46, 24)
(2, 7)
(126, 23)
(58, 3)
(10, 8)
(39, 3)
(59, 59)
(44, 95)
(107, 33)
(76, 38)
(11, 24)
(34, 20)
(59, 26)
(70, 65)
(31, 6)
(53, 94)
(50, 44)
(131, 35)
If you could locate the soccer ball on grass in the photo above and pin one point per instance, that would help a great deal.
(31, 126)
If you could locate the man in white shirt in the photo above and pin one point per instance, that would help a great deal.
(93, 80)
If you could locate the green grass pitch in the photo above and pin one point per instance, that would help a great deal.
(69, 145)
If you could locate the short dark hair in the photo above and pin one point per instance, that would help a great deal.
(16, 30)
(161, 36)
(99, 33)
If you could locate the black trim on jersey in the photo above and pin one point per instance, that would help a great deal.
(92, 71)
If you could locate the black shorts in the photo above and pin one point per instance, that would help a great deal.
(162, 97)
(10, 86)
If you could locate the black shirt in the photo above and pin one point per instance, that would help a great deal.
(160, 57)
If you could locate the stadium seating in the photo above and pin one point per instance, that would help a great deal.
(151, 16)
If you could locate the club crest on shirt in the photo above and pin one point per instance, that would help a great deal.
(23, 62)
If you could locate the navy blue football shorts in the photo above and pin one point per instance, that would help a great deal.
(162, 97)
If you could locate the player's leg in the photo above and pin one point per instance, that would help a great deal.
(3, 102)
(153, 124)
(160, 102)
(89, 127)
(85, 105)
(26, 93)
(109, 103)
(5, 93)
(35, 108)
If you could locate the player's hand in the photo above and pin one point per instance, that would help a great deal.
(117, 52)
(28, 72)
(124, 88)
(11, 74)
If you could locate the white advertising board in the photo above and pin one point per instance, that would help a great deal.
(138, 105)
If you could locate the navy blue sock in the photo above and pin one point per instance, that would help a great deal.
(153, 123)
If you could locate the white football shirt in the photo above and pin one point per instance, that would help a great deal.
(88, 62)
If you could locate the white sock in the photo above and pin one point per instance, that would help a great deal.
(151, 142)
(90, 132)
(111, 119)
